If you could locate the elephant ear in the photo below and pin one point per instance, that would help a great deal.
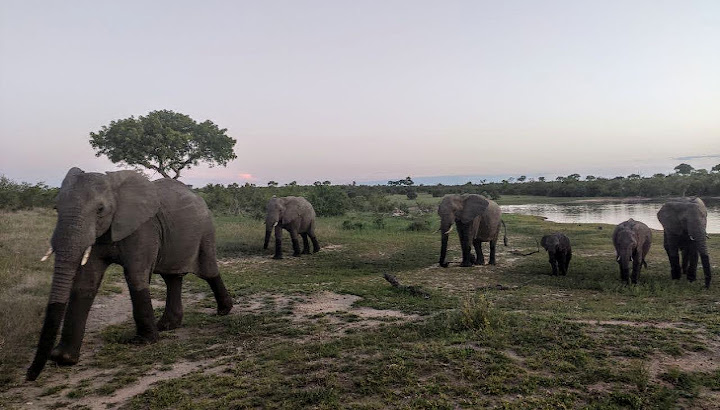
(544, 242)
(136, 201)
(474, 207)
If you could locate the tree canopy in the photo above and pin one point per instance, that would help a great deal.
(164, 141)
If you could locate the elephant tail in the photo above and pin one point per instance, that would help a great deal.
(644, 263)
(505, 242)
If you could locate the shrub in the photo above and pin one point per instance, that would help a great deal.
(379, 222)
(328, 200)
(419, 225)
(350, 225)
(411, 194)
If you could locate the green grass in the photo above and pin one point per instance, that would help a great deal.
(580, 341)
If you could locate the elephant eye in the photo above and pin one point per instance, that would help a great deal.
(100, 209)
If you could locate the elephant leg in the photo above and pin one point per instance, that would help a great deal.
(672, 252)
(465, 243)
(705, 259)
(480, 259)
(316, 245)
(306, 244)
(278, 242)
(493, 246)
(82, 295)
(568, 256)
(172, 318)
(693, 264)
(637, 264)
(313, 238)
(295, 238)
(210, 272)
(553, 265)
(685, 259)
(143, 313)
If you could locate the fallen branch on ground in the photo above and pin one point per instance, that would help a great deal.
(517, 252)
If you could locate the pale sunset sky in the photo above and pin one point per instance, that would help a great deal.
(370, 90)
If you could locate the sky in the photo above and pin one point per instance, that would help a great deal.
(347, 90)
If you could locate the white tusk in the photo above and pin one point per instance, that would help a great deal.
(86, 255)
(47, 255)
(275, 224)
(618, 259)
(449, 230)
(691, 238)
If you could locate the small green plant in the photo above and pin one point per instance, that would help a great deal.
(411, 194)
(419, 225)
(379, 222)
(350, 225)
(478, 314)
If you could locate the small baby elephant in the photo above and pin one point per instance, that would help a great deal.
(632, 241)
(558, 247)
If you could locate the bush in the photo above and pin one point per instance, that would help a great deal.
(328, 200)
(419, 225)
(350, 225)
(477, 314)
(411, 194)
(14, 196)
(379, 222)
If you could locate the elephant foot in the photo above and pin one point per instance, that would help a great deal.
(144, 339)
(297, 255)
(444, 265)
(63, 356)
(306, 252)
(466, 264)
(492, 262)
(224, 308)
(168, 324)
(277, 257)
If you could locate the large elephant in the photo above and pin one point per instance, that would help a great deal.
(559, 252)
(632, 240)
(297, 216)
(477, 219)
(684, 222)
(146, 227)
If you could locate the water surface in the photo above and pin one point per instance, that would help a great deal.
(609, 212)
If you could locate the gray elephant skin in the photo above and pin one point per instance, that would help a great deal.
(146, 227)
(559, 252)
(477, 220)
(632, 240)
(297, 216)
(684, 222)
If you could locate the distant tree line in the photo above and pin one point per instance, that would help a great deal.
(335, 200)
(15, 196)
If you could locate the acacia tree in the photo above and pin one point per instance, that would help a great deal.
(164, 141)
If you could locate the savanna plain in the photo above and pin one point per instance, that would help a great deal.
(327, 330)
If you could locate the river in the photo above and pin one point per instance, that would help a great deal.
(609, 212)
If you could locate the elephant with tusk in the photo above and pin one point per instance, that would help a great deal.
(146, 227)
(297, 216)
(477, 219)
(684, 222)
(632, 240)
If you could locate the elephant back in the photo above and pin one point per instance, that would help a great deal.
(184, 220)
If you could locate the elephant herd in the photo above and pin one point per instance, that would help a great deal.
(163, 227)
(684, 222)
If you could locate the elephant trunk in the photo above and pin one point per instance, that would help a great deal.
(268, 232)
(443, 249)
(70, 241)
(59, 295)
(445, 227)
(699, 238)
